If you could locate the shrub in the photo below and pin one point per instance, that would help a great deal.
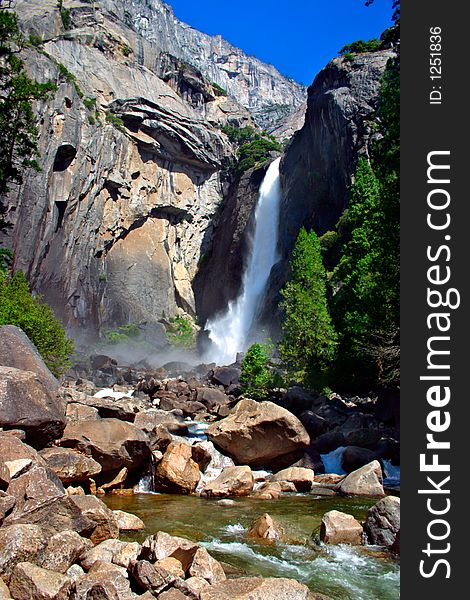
(219, 90)
(114, 120)
(66, 18)
(360, 46)
(122, 334)
(181, 332)
(35, 40)
(240, 135)
(349, 57)
(19, 307)
(90, 103)
(256, 379)
(256, 152)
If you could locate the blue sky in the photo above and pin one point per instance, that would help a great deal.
(297, 36)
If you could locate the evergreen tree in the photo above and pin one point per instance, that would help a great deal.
(18, 131)
(309, 339)
(256, 379)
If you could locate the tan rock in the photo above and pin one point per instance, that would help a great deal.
(69, 465)
(301, 477)
(206, 567)
(382, 523)
(113, 551)
(63, 550)
(20, 543)
(104, 581)
(173, 594)
(18, 467)
(197, 584)
(248, 588)
(233, 481)
(117, 481)
(128, 522)
(81, 412)
(30, 581)
(259, 433)
(265, 528)
(271, 490)
(366, 481)
(4, 591)
(151, 577)
(162, 545)
(75, 491)
(172, 565)
(93, 508)
(340, 528)
(177, 471)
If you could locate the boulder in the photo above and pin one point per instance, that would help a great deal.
(173, 594)
(265, 528)
(259, 433)
(366, 481)
(161, 545)
(30, 581)
(69, 465)
(5, 476)
(301, 477)
(107, 407)
(150, 577)
(354, 457)
(4, 591)
(233, 481)
(149, 420)
(270, 490)
(226, 375)
(172, 565)
(248, 588)
(212, 397)
(7, 503)
(113, 444)
(106, 525)
(63, 550)
(27, 403)
(206, 567)
(79, 412)
(104, 581)
(113, 551)
(21, 543)
(128, 522)
(340, 528)
(17, 351)
(177, 471)
(382, 524)
(196, 585)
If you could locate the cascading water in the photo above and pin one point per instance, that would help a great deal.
(229, 332)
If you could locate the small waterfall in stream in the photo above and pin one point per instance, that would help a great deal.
(229, 331)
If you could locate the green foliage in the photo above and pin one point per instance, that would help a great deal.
(256, 379)
(255, 153)
(219, 90)
(349, 57)
(18, 131)
(240, 135)
(114, 120)
(126, 50)
(6, 260)
(18, 307)
(309, 340)
(89, 103)
(66, 17)
(181, 332)
(35, 40)
(122, 334)
(69, 77)
(360, 46)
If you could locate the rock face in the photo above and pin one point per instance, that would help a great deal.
(319, 162)
(27, 403)
(382, 524)
(133, 158)
(259, 433)
(340, 528)
(258, 86)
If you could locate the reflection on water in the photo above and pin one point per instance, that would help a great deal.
(341, 572)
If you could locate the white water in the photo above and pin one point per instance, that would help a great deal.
(229, 332)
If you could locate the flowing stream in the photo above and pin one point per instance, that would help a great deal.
(229, 332)
(340, 572)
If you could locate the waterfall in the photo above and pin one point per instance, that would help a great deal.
(229, 332)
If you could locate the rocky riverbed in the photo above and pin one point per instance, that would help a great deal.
(249, 499)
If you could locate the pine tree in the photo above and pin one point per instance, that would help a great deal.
(309, 339)
(18, 131)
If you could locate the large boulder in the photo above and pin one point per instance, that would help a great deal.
(113, 551)
(340, 528)
(104, 581)
(69, 465)
(233, 481)
(177, 471)
(63, 550)
(21, 543)
(30, 404)
(112, 443)
(107, 407)
(206, 567)
(30, 581)
(366, 481)
(247, 588)
(382, 524)
(354, 457)
(106, 524)
(259, 433)
(17, 351)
